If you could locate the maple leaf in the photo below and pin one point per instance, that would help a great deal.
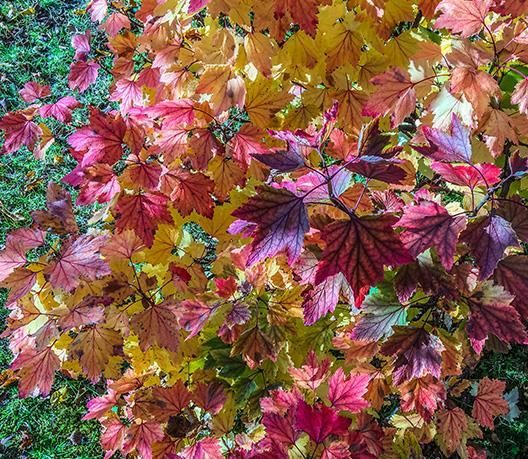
(465, 17)
(255, 346)
(491, 312)
(423, 395)
(418, 352)
(83, 75)
(115, 23)
(141, 436)
(515, 212)
(312, 373)
(113, 436)
(211, 397)
(19, 130)
(453, 147)
(282, 160)
(430, 225)
(489, 402)
(60, 110)
(468, 175)
(94, 346)
(13, 256)
(282, 221)
(319, 421)
(192, 316)
(512, 274)
(101, 140)
(280, 428)
(89, 311)
(322, 298)
(59, 216)
(78, 259)
(395, 94)
(208, 448)
(380, 311)
(142, 213)
(37, 370)
(359, 248)
(33, 91)
(488, 238)
(451, 425)
(303, 13)
(188, 191)
(347, 394)
(520, 96)
(157, 324)
(171, 400)
(98, 406)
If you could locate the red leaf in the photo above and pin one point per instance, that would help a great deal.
(81, 45)
(11, 258)
(454, 147)
(451, 425)
(387, 170)
(175, 113)
(359, 248)
(142, 213)
(60, 110)
(192, 315)
(467, 174)
(59, 215)
(140, 437)
(211, 397)
(79, 259)
(322, 298)
(89, 311)
(419, 353)
(36, 371)
(82, 75)
(463, 16)
(312, 373)
(280, 429)
(171, 400)
(394, 94)
(129, 93)
(347, 394)
(488, 239)
(114, 23)
(19, 130)
(208, 448)
(430, 225)
(489, 402)
(98, 406)
(33, 91)
(512, 274)
(491, 313)
(423, 395)
(303, 12)
(320, 421)
(101, 140)
(281, 220)
(112, 437)
(196, 5)
(157, 325)
(514, 211)
(188, 191)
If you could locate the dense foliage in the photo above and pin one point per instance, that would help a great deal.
(310, 226)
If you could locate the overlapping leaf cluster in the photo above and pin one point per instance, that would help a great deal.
(311, 226)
